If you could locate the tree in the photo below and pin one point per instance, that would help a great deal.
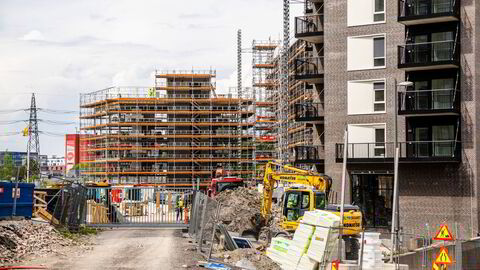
(7, 170)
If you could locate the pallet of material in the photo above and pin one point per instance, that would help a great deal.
(98, 213)
(39, 202)
(44, 214)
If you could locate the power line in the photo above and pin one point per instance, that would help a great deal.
(53, 134)
(11, 122)
(56, 111)
(54, 122)
(46, 121)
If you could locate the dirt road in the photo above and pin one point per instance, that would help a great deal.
(129, 249)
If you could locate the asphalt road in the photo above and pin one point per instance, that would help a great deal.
(117, 249)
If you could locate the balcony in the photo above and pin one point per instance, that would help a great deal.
(309, 70)
(429, 102)
(309, 112)
(447, 151)
(429, 55)
(309, 154)
(413, 12)
(309, 28)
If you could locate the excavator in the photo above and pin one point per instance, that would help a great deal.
(313, 195)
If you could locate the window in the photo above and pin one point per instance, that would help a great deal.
(366, 97)
(366, 52)
(379, 51)
(366, 140)
(364, 12)
(379, 12)
(379, 102)
(379, 142)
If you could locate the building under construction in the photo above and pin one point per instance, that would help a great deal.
(304, 134)
(265, 83)
(175, 134)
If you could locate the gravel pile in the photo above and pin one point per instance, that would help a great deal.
(19, 239)
(257, 258)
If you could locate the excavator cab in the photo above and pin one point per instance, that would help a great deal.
(297, 201)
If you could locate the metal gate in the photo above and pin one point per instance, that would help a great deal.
(138, 206)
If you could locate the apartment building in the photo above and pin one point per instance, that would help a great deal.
(391, 72)
(175, 134)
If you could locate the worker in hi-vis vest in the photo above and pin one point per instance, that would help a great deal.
(179, 207)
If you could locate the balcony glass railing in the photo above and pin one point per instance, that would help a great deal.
(308, 111)
(441, 150)
(428, 53)
(429, 100)
(424, 8)
(309, 66)
(309, 153)
(309, 25)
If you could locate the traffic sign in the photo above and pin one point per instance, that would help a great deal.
(443, 234)
(442, 257)
(439, 266)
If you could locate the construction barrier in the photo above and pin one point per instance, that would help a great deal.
(137, 206)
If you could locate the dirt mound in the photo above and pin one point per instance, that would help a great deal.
(19, 239)
(257, 258)
(240, 209)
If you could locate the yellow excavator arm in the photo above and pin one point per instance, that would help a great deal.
(303, 177)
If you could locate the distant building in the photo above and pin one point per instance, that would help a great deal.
(19, 158)
(56, 165)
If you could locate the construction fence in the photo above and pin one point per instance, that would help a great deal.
(204, 222)
(122, 206)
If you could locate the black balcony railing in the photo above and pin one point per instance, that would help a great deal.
(309, 112)
(309, 68)
(429, 54)
(429, 101)
(425, 9)
(310, 25)
(412, 151)
(309, 154)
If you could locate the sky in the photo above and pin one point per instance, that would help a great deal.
(61, 48)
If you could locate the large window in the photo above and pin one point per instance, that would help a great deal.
(373, 193)
(366, 52)
(363, 12)
(366, 97)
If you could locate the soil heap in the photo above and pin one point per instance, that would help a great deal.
(240, 209)
(259, 260)
(19, 239)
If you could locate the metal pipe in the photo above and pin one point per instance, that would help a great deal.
(395, 205)
(342, 199)
(360, 262)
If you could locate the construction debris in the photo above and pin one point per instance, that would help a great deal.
(255, 257)
(19, 239)
(240, 211)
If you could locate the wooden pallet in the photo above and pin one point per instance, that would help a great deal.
(39, 202)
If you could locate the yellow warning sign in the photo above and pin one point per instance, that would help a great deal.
(443, 234)
(442, 257)
(439, 266)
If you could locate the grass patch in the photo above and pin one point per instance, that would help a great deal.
(83, 230)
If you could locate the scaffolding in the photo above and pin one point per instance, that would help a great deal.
(265, 82)
(176, 133)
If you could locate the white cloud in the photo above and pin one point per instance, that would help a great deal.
(33, 35)
(78, 49)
